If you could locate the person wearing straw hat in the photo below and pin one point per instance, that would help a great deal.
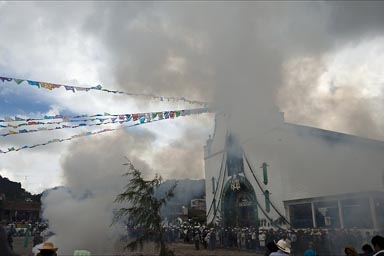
(284, 248)
(48, 249)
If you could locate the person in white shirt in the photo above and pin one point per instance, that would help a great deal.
(262, 238)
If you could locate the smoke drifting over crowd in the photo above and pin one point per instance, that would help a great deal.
(251, 59)
(86, 203)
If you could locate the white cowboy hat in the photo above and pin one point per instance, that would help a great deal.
(48, 246)
(283, 246)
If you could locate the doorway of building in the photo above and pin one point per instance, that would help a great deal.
(239, 207)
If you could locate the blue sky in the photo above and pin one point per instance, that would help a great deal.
(21, 101)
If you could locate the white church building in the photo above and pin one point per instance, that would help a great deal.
(293, 176)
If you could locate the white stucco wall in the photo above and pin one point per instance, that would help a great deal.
(303, 162)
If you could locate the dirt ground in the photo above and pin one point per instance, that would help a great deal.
(18, 246)
(179, 249)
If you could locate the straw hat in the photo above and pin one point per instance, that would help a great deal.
(48, 246)
(283, 246)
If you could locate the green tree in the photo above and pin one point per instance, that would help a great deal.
(144, 209)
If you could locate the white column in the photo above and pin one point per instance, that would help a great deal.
(340, 214)
(287, 213)
(313, 214)
(373, 213)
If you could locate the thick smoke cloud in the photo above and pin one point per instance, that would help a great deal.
(92, 174)
(81, 213)
(234, 54)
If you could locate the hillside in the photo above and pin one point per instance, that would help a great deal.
(14, 192)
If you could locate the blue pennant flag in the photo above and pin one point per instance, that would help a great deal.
(34, 83)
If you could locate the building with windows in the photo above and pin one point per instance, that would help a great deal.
(292, 175)
(364, 210)
(198, 204)
(19, 210)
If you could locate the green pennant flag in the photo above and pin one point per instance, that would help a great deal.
(178, 113)
(18, 81)
(265, 173)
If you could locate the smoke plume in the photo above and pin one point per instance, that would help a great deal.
(239, 55)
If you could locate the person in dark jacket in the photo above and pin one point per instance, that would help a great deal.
(367, 250)
(378, 245)
(5, 250)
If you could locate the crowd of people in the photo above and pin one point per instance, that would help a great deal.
(321, 241)
(304, 242)
(260, 240)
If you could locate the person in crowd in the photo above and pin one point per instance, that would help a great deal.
(48, 249)
(271, 247)
(284, 248)
(350, 251)
(10, 240)
(37, 239)
(196, 239)
(5, 250)
(378, 245)
(367, 250)
(212, 239)
(262, 238)
(310, 251)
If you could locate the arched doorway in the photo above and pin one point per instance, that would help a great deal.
(238, 203)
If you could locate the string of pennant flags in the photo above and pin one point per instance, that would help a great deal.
(137, 119)
(88, 120)
(7, 121)
(51, 86)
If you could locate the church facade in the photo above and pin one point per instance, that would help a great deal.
(261, 180)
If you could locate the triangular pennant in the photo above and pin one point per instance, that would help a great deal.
(46, 85)
(8, 119)
(34, 83)
(18, 81)
(19, 118)
(5, 79)
(69, 88)
(99, 87)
